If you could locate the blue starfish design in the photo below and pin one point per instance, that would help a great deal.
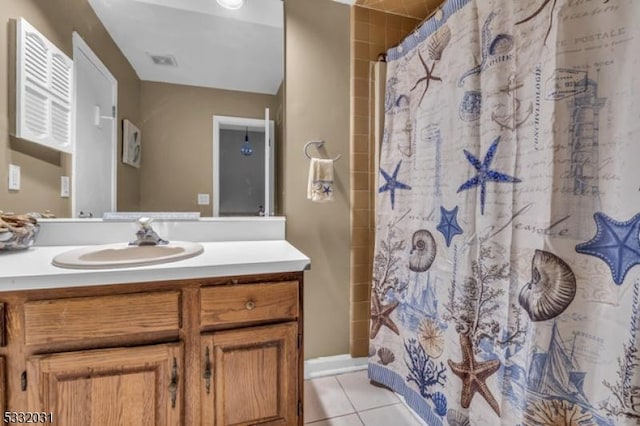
(326, 189)
(485, 174)
(617, 243)
(392, 183)
(448, 225)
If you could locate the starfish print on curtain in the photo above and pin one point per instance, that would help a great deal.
(380, 316)
(485, 174)
(474, 375)
(448, 225)
(617, 243)
(392, 184)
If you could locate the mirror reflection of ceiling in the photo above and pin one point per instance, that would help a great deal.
(210, 46)
(419, 9)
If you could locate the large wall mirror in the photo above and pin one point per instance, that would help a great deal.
(149, 78)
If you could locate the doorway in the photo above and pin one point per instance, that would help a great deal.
(243, 160)
(93, 181)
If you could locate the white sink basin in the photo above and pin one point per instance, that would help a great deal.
(123, 255)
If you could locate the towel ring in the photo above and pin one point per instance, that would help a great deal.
(319, 144)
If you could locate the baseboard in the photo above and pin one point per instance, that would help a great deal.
(332, 365)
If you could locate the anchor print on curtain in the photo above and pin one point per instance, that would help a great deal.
(506, 282)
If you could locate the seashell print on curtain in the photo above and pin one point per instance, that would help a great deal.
(506, 282)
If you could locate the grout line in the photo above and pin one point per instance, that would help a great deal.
(372, 408)
(335, 417)
(347, 395)
(380, 406)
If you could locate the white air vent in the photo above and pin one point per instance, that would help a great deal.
(44, 90)
(164, 60)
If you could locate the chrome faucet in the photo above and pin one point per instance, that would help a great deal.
(146, 236)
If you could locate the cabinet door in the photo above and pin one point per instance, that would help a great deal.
(250, 376)
(125, 386)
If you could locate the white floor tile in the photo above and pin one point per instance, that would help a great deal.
(348, 420)
(390, 415)
(362, 394)
(323, 399)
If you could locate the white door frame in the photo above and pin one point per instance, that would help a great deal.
(220, 120)
(80, 47)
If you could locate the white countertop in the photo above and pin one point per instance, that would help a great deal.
(32, 269)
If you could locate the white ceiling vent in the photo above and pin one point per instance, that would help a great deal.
(164, 60)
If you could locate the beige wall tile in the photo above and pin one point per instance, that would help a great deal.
(377, 34)
(361, 201)
(361, 50)
(360, 311)
(361, 87)
(361, 31)
(360, 329)
(361, 107)
(360, 143)
(360, 255)
(361, 14)
(359, 238)
(378, 18)
(386, 30)
(360, 217)
(361, 292)
(394, 36)
(359, 347)
(361, 125)
(360, 181)
(360, 163)
(375, 50)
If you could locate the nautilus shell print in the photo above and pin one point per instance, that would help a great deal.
(551, 289)
(423, 251)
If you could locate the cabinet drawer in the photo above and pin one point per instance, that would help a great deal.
(248, 303)
(101, 317)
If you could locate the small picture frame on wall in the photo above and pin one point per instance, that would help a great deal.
(131, 144)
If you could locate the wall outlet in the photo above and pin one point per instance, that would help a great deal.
(14, 177)
(203, 199)
(64, 186)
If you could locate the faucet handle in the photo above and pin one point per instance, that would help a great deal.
(145, 222)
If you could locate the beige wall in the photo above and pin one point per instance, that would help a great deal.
(317, 107)
(177, 138)
(42, 167)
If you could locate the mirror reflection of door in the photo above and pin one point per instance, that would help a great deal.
(94, 160)
(241, 172)
(243, 177)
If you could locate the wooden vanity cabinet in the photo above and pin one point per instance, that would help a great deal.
(216, 351)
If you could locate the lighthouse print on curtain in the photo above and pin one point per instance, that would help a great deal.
(506, 284)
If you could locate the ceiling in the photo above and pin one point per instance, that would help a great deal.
(212, 46)
(418, 9)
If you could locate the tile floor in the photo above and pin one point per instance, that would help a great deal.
(351, 400)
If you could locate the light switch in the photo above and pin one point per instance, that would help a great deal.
(14, 177)
(203, 199)
(64, 186)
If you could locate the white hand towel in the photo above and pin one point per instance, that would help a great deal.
(320, 188)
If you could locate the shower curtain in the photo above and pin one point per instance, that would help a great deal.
(506, 282)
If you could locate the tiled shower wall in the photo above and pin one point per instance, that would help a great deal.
(372, 33)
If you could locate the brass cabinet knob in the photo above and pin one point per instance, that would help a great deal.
(250, 305)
